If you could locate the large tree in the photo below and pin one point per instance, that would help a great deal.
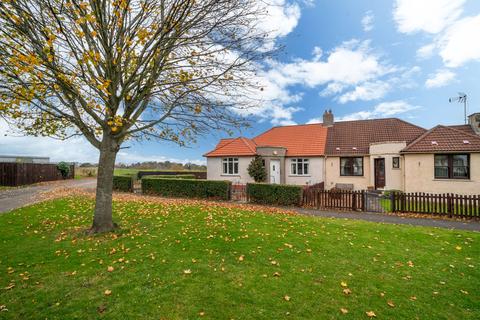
(114, 70)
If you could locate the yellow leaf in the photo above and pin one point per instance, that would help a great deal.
(347, 291)
(110, 269)
(458, 248)
(187, 271)
(371, 314)
(287, 298)
(241, 258)
(343, 310)
(390, 303)
(344, 284)
(108, 292)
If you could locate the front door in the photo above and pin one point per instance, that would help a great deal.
(379, 173)
(275, 171)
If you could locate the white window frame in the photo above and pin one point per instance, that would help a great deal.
(228, 170)
(300, 164)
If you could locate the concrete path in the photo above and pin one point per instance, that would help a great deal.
(470, 225)
(18, 197)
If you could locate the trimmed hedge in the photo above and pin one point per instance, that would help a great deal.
(187, 188)
(276, 194)
(123, 183)
(180, 176)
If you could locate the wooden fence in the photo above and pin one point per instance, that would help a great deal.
(18, 174)
(453, 205)
(338, 199)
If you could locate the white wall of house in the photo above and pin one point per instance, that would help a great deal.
(215, 170)
(419, 176)
(388, 150)
(315, 174)
(332, 174)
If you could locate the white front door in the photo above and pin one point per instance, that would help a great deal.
(275, 171)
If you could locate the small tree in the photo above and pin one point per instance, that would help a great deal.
(256, 169)
(64, 169)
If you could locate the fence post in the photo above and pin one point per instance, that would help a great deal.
(392, 202)
(449, 205)
(363, 200)
(354, 201)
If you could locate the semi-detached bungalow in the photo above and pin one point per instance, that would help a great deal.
(381, 154)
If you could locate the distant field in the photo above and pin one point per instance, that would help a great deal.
(84, 172)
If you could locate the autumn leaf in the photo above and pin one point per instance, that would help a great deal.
(410, 264)
(390, 304)
(286, 298)
(458, 248)
(343, 310)
(187, 271)
(276, 274)
(110, 269)
(371, 314)
(413, 298)
(344, 284)
(241, 258)
(347, 291)
(108, 292)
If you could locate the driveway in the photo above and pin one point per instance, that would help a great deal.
(19, 197)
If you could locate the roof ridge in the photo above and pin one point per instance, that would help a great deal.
(247, 144)
(226, 144)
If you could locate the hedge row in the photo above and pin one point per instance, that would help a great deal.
(180, 176)
(187, 188)
(274, 194)
(123, 183)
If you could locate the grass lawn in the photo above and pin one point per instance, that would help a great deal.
(185, 260)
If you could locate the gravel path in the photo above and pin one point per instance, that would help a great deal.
(18, 197)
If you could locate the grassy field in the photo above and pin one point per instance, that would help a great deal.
(83, 172)
(185, 260)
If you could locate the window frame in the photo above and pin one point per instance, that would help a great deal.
(393, 163)
(353, 174)
(302, 163)
(226, 166)
(450, 166)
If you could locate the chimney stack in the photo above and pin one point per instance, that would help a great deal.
(328, 118)
(474, 121)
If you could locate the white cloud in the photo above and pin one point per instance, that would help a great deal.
(381, 110)
(282, 17)
(440, 79)
(460, 44)
(431, 16)
(367, 21)
(366, 91)
(426, 51)
(71, 150)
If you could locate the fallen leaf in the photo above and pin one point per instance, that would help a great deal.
(287, 298)
(371, 314)
(108, 292)
(410, 263)
(276, 274)
(187, 271)
(347, 291)
(201, 313)
(343, 310)
(413, 298)
(390, 304)
(344, 284)
(102, 308)
(458, 248)
(110, 269)
(241, 258)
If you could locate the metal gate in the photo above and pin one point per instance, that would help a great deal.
(374, 202)
(238, 192)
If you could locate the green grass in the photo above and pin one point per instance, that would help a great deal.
(59, 273)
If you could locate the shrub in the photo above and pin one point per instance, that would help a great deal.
(276, 194)
(179, 176)
(187, 188)
(123, 183)
(64, 169)
(256, 169)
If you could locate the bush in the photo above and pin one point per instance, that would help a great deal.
(256, 169)
(180, 176)
(276, 194)
(187, 188)
(123, 183)
(64, 169)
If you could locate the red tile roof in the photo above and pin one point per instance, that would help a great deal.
(446, 139)
(299, 140)
(355, 137)
(233, 147)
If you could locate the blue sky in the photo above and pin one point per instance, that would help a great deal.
(362, 59)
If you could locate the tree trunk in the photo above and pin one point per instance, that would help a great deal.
(102, 219)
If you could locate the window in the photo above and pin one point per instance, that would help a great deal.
(299, 167)
(351, 166)
(396, 162)
(452, 166)
(230, 165)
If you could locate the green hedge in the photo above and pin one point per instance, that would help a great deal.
(123, 183)
(180, 176)
(275, 194)
(187, 188)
